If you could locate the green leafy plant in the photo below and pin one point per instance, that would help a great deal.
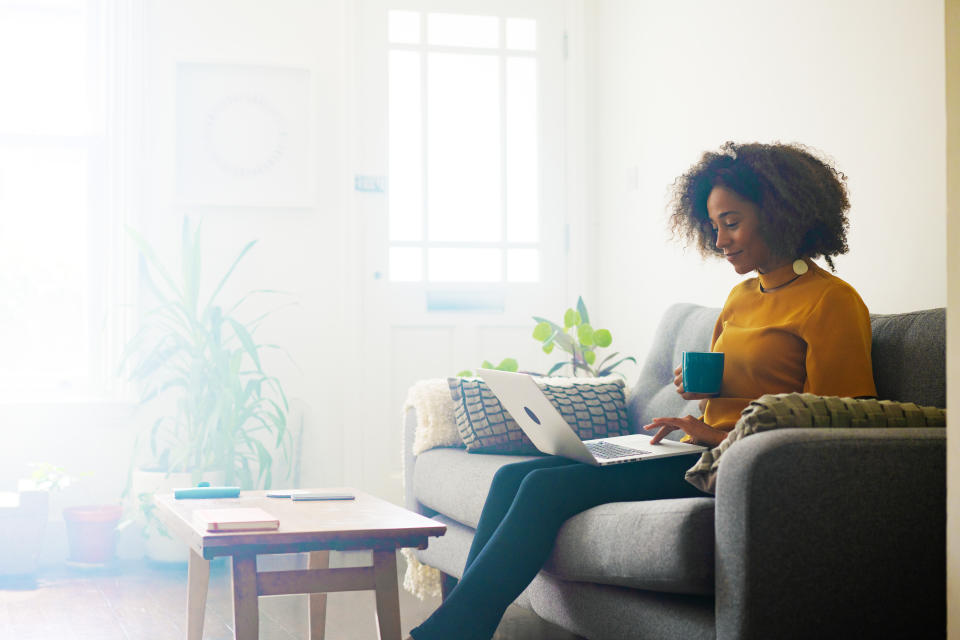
(202, 356)
(581, 341)
(507, 364)
(50, 477)
(578, 338)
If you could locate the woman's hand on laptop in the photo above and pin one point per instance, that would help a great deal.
(678, 383)
(698, 430)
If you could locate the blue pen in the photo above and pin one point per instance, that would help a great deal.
(204, 490)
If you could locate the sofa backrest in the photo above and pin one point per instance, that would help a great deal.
(684, 327)
(910, 356)
(909, 360)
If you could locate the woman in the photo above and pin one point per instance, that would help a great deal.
(794, 327)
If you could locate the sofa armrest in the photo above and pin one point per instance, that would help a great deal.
(828, 533)
(409, 460)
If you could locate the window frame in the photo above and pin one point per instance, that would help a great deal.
(111, 142)
(425, 244)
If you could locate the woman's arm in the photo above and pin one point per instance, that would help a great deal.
(838, 338)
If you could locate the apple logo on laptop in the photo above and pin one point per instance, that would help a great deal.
(532, 415)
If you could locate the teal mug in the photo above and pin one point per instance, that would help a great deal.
(702, 371)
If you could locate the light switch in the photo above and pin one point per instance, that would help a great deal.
(370, 184)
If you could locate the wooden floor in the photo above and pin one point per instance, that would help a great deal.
(144, 601)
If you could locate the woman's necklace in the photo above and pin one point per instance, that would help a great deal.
(779, 286)
(799, 267)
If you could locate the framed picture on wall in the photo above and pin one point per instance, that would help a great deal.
(243, 135)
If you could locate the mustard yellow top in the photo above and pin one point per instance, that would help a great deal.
(811, 335)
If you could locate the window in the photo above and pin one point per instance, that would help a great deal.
(58, 211)
(463, 200)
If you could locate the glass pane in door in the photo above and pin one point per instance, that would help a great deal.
(521, 156)
(463, 148)
(521, 34)
(405, 154)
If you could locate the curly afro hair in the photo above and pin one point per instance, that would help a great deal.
(801, 198)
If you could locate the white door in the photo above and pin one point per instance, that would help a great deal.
(460, 197)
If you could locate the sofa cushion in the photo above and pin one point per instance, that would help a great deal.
(661, 545)
(607, 612)
(594, 407)
(657, 545)
(449, 551)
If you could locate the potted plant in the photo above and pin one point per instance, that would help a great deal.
(577, 338)
(91, 529)
(222, 418)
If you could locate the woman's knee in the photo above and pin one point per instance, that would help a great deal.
(509, 471)
(543, 484)
(508, 477)
(517, 471)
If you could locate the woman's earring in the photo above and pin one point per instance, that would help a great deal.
(800, 267)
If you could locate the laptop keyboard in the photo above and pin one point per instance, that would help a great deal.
(609, 450)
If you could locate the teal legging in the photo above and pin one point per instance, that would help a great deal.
(525, 508)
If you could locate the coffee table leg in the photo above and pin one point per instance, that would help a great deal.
(198, 577)
(318, 601)
(388, 597)
(246, 617)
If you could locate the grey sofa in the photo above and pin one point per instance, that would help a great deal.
(850, 543)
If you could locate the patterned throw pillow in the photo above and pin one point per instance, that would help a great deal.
(805, 410)
(594, 407)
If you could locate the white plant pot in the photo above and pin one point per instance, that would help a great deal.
(157, 547)
(23, 518)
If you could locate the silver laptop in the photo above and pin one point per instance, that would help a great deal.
(550, 433)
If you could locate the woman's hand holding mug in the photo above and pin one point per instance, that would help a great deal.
(678, 383)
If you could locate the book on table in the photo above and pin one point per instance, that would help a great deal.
(235, 519)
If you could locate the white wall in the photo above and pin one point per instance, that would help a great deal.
(860, 80)
(300, 250)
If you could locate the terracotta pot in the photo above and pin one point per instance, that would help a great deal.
(92, 533)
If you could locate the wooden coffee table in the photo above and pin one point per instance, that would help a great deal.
(314, 527)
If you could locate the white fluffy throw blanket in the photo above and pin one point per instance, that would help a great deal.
(436, 423)
(436, 427)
